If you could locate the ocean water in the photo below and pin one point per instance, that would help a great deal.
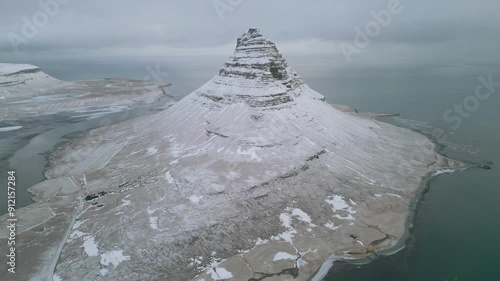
(456, 233)
(27, 150)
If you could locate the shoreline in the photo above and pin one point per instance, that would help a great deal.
(418, 191)
(65, 120)
(85, 133)
(335, 263)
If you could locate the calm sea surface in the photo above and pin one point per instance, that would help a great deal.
(457, 227)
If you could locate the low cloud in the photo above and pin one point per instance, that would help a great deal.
(177, 28)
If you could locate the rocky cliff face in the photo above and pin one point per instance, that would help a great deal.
(256, 74)
(253, 176)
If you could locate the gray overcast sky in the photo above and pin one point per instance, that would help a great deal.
(459, 30)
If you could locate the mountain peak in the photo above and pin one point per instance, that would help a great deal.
(256, 74)
(254, 49)
(256, 52)
(251, 34)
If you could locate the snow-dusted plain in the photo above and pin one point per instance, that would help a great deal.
(251, 177)
(26, 91)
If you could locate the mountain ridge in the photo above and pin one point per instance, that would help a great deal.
(27, 91)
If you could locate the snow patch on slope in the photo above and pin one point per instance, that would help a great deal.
(195, 199)
(284, 256)
(90, 247)
(219, 273)
(286, 221)
(113, 257)
(153, 223)
(338, 204)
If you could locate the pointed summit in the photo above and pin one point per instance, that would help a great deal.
(256, 74)
(251, 33)
(256, 57)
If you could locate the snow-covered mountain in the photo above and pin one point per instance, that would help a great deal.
(27, 91)
(256, 74)
(24, 80)
(251, 176)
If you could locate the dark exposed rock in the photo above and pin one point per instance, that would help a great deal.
(256, 58)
